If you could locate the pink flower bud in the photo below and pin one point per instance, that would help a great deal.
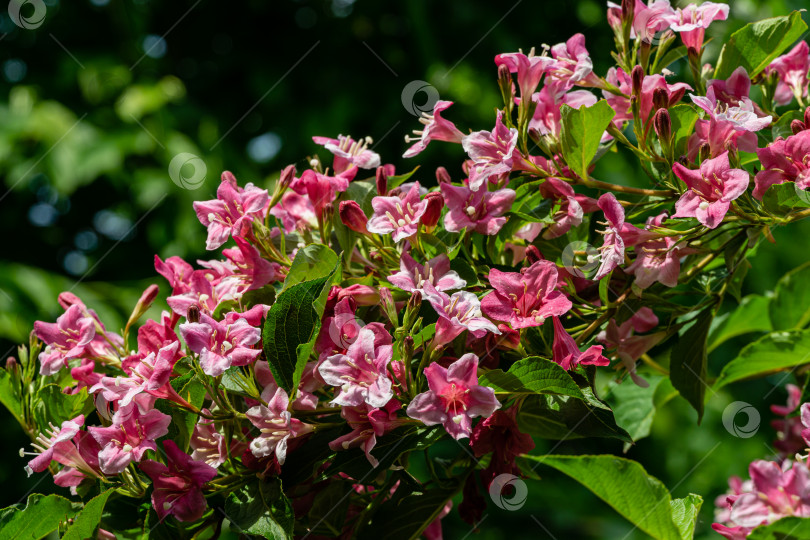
(353, 217)
(662, 124)
(637, 78)
(533, 255)
(287, 176)
(382, 181)
(433, 209)
(797, 126)
(443, 177)
(193, 314)
(660, 99)
(67, 299)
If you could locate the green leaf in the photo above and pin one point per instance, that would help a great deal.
(558, 417)
(790, 307)
(193, 392)
(634, 406)
(86, 523)
(362, 192)
(533, 375)
(261, 508)
(750, 316)
(769, 354)
(8, 395)
(789, 528)
(687, 368)
(582, 130)
(53, 406)
(40, 517)
(407, 514)
(683, 118)
(640, 498)
(782, 127)
(291, 327)
(756, 44)
(311, 262)
(399, 179)
(781, 198)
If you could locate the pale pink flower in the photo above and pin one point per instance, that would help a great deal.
(56, 444)
(490, 152)
(397, 215)
(735, 125)
(367, 423)
(567, 354)
(207, 443)
(657, 258)
(612, 249)
(276, 427)
(791, 69)
(66, 339)
(412, 276)
(295, 212)
(436, 129)
(457, 313)
(361, 374)
(220, 344)
(777, 492)
(546, 118)
(526, 298)
(711, 190)
(454, 398)
(784, 160)
(480, 211)
(129, 437)
(530, 69)
(232, 212)
(349, 152)
(573, 65)
(205, 292)
(692, 21)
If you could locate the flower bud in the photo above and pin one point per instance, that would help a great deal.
(287, 176)
(412, 310)
(797, 126)
(533, 255)
(382, 181)
(353, 216)
(705, 152)
(363, 295)
(637, 78)
(11, 364)
(662, 124)
(434, 202)
(388, 306)
(193, 313)
(807, 116)
(407, 346)
(147, 298)
(415, 301)
(442, 176)
(504, 75)
(328, 212)
(676, 96)
(628, 10)
(660, 99)
(67, 299)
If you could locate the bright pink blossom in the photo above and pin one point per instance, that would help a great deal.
(252, 270)
(454, 398)
(526, 298)
(57, 445)
(784, 160)
(321, 189)
(692, 21)
(232, 212)
(66, 339)
(567, 354)
(573, 65)
(457, 313)
(791, 69)
(276, 427)
(546, 118)
(726, 125)
(177, 486)
(530, 69)
(623, 80)
(436, 129)
(490, 152)
(207, 443)
(480, 211)
(412, 276)
(777, 492)
(367, 424)
(349, 152)
(397, 215)
(710, 190)
(295, 212)
(500, 435)
(129, 437)
(221, 345)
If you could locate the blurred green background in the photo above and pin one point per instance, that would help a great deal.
(98, 99)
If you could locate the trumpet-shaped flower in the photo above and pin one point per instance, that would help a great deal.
(349, 152)
(457, 313)
(66, 339)
(784, 160)
(276, 427)
(412, 276)
(791, 69)
(436, 129)
(692, 21)
(129, 437)
(567, 354)
(711, 190)
(232, 212)
(490, 152)
(221, 345)
(397, 215)
(480, 211)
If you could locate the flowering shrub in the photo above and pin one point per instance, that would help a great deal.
(359, 317)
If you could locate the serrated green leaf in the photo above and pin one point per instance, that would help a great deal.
(311, 262)
(40, 517)
(53, 406)
(582, 129)
(790, 306)
(687, 366)
(533, 375)
(683, 119)
(782, 127)
(770, 354)
(86, 523)
(261, 508)
(756, 44)
(789, 528)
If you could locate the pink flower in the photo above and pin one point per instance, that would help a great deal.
(454, 398)
(436, 129)
(630, 347)
(207, 443)
(457, 313)
(361, 374)
(57, 445)
(567, 353)
(252, 270)
(322, 189)
(526, 298)
(177, 488)
(177, 272)
(573, 64)
(397, 215)
(295, 212)
(220, 344)
(693, 20)
(500, 435)
(530, 69)
(791, 69)
(232, 212)
(784, 160)
(412, 276)
(491, 152)
(612, 250)
(66, 339)
(129, 437)
(619, 78)
(367, 424)
(711, 190)
(657, 259)
(805, 415)
(732, 90)
(777, 492)
(153, 336)
(650, 19)
(276, 425)
(546, 118)
(480, 211)
(349, 152)
(726, 125)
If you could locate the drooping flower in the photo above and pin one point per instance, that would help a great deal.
(529, 68)
(129, 437)
(221, 345)
(361, 374)
(412, 276)
(630, 346)
(657, 258)
(454, 397)
(711, 190)
(276, 427)
(367, 424)
(57, 445)
(784, 160)
(526, 298)
(791, 69)
(500, 435)
(480, 211)
(436, 129)
(66, 339)
(612, 249)
(207, 443)
(349, 152)
(295, 212)
(232, 212)
(692, 21)
(733, 90)
(177, 486)
(457, 313)
(777, 492)
(567, 354)
(397, 215)
(491, 152)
